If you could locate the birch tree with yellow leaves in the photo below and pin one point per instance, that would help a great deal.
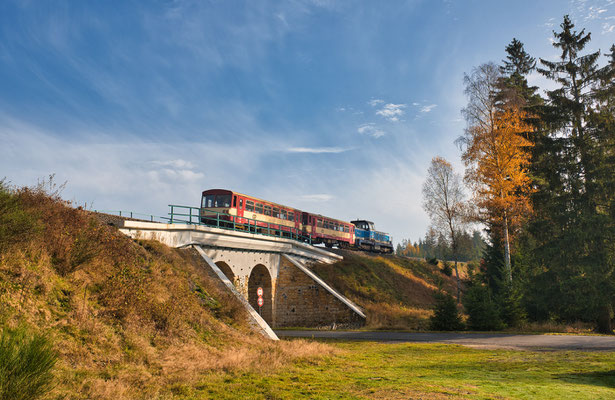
(496, 155)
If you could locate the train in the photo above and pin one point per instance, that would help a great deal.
(224, 208)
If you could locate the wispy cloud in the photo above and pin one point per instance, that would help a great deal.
(392, 112)
(317, 197)
(316, 150)
(178, 163)
(426, 109)
(370, 129)
(375, 102)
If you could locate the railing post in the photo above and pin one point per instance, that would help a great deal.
(120, 213)
(171, 221)
(190, 212)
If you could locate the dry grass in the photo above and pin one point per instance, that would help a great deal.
(129, 319)
(396, 292)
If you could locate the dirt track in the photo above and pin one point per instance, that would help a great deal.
(483, 340)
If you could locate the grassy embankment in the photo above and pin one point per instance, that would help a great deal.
(127, 319)
(396, 292)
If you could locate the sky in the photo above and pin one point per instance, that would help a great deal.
(333, 107)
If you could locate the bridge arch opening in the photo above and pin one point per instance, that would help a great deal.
(228, 272)
(260, 277)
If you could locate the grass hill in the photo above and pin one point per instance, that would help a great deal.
(396, 292)
(127, 319)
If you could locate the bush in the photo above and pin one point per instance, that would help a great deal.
(512, 312)
(446, 315)
(447, 269)
(25, 365)
(483, 313)
(433, 261)
(16, 224)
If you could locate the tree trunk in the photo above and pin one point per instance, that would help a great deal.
(458, 283)
(603, 324)
(507, 267)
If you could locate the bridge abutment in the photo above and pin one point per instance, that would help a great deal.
(293, 295)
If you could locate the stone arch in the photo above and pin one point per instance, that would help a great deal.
(260, 277)
(228, 272)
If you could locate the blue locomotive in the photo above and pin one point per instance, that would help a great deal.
(369, 239)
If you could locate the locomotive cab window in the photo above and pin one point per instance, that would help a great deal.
(235, 201)
(240, 203)
(222, 200)
(208, 201)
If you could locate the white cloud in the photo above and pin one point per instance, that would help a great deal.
(375, 102)
(316, 150)
(179, 163)
(426, 109)
(370, 130)
(317, 197)
(391, 111)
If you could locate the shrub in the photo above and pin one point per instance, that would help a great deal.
(16, 224)
(25, 364)
(447, 269)
(446, 315)
(433, 261)
(511, 309)
(483, 314)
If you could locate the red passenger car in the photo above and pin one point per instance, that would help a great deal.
(220, 207)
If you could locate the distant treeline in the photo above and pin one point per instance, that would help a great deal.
(436, 245)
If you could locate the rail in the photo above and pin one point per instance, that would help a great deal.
(193, 216)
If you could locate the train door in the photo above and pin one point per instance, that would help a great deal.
(240, 206)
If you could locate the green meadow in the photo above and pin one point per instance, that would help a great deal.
(365, 370)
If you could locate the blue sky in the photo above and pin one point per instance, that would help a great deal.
(335, 107)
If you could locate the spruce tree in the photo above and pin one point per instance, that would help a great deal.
(570, 228)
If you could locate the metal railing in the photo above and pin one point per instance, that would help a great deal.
(192, 215)
(132, 214)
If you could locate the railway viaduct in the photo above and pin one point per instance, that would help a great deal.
(293, 295)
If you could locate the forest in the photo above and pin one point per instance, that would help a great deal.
(540, 170)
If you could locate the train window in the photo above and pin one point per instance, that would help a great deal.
(267, 210)
(240, 203)
(223, 200)
(319, 223)
(249, 205)
(208, 201)
(291, 216)
(276, 212)
(258, 208)
(235, 201)
(346, 229)
(283, 214)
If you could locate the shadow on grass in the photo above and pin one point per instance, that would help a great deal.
(596, 378)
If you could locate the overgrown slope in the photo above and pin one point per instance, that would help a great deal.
(128, 319)
(396, 292)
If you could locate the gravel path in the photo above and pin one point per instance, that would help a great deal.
(483, 340)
